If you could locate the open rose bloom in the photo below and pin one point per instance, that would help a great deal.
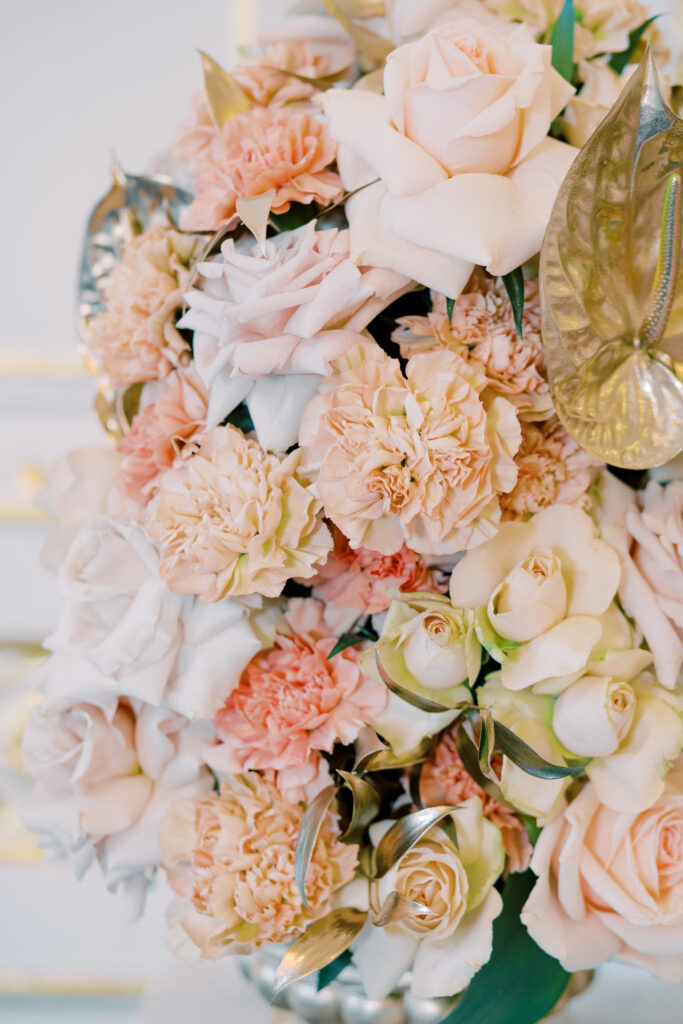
(358, 646)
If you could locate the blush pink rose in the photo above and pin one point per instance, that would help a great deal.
(262, 149)
(444, 780)
(552, 469)
(482, 330)
(355, 582)
(229, 858)
(175, 415)
(611, 885)
(418, 459)
(292, 702)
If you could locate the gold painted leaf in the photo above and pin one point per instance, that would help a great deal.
(366, 803)
(226, 96)
(416, 699)
(132, 203)
(397, 907)
(116, 407)
(403, 835)
(321, 943)
(375, 47)
(612, 284)
(308, 836)
(386, 760)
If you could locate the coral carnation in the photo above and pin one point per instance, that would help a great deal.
(230, 857)
(287, 150)
(292, 702)
(136, 338)
(419, 459)
(175, 415)
(232, 519)
(444, 780)
(482, 330)
(552, 469)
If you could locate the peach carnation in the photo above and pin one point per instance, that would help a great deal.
(175, 415)
(232, 519)
(136, 338)
(362, 582)
(230, 859)
(292, 702)
(482, 330)
(262, 149)
(552, 469)
(418, 459)
(444, 780)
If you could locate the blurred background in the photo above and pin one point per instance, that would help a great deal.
(80, 80)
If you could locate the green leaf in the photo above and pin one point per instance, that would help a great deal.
(240, 417)
(468, 755)
(450, 303)
(520, 984)
(328, 974)
(533, 829)
(297, 215)
(618, 61)
(526, 758)
(351, 639)
(514, 286)
(562, 41)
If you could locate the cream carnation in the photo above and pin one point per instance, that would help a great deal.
(287, 150)
(230, 858)
(552, 469)
(286, 308)
(481, 329)
(611, 885)
(419, 459)
(292, 702)
(136, 338)
(234, 520)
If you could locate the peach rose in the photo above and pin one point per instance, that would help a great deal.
(481, 329)
(458, 141)
(598, 94)
(136, 338)
(174, 414)
(552, 469)
(611, 885)
(292, 702)
(287, 150)
(448, 943)
(234, 520)
(280, 311)
(230, 859)
(356, 582)
(419, 459)
(106, 771)
(657, 531)
(444, 780)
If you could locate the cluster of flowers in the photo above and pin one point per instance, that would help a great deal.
(344, 518)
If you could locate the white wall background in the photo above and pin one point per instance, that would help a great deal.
(79, 78)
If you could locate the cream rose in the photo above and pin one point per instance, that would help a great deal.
(611, 885)
(448, 943)
(593, 102)
(458, 141)
(544, 587)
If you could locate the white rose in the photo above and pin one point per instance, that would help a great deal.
(594, 714)
(123, 632)
(467, 175)
(105, 773)
(447, 945)
(550, 580)
(77, 487)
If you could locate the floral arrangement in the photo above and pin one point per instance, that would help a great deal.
(358, 646)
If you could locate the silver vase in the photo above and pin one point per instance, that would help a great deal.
(343, 1001)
